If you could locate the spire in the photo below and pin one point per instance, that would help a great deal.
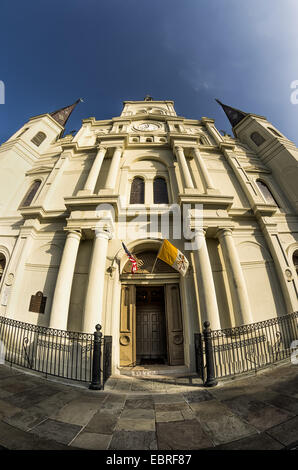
(62, 114)
(234, 115)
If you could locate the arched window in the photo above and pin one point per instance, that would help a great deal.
(30, 194)
(257, 138)
(266, 192)
(274, 132)
(137, 192)
(39, 138)
(295, 260)
(2, 265)
(160, 191)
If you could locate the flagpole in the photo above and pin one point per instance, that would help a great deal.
(154, 265)
(155, 260)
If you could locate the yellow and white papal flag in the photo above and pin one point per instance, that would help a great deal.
(174, 257)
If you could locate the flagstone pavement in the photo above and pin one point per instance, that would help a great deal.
(255, 412)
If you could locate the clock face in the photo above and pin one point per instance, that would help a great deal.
(147, 127)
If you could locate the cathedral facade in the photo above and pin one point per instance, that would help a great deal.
(68, 202)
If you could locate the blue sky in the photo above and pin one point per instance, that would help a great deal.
(108, 51)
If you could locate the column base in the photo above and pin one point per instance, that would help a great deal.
(107, 192)
(84, 192)
(212, 191)
(192, 191)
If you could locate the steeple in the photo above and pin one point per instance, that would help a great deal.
(234, 115)
(62, 114)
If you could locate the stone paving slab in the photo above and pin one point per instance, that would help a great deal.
(57, 431)
(166, 416)
(6, 409)
(182, 435)
(25, 420)
(14, 439)
(103, 422)
(134, 403)
(286, 433)
(220, 423)
(255, 442)
(92, 441)
(257, 412)
(140, 424)
(137, 440)
(31, 397)
(279, 400)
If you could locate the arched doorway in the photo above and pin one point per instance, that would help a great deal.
(151, 327)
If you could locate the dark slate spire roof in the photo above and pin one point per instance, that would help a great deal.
(234, 115)
(62, 114)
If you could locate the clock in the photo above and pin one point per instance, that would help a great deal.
(146, 126)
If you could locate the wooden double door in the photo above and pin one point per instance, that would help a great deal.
(151, 328)
(151, 341)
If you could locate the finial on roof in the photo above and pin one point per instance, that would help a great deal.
(148, 98)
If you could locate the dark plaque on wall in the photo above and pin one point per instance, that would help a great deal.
(37, 303)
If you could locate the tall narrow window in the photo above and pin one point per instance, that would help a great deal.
(266, 192)
(2, 265)
(160, 191)
(295, 260)
(137, 192)
(30, 194)
(257, 138)
(39, 138)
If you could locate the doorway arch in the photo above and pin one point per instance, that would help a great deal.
(151, 324)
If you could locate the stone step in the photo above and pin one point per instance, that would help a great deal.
(156, 371)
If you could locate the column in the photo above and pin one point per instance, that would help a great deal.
(95, 288)
(236, 278)
(114, 168)
(207, 294)
(184, 167)
(207, 180)
(95, 169)
(16, 267)
(60, 306)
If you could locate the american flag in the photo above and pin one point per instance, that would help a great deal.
(133, 261)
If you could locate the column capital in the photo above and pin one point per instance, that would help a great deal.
(178, 148)
(74, 234)
(223, 232)
(104, 230)
(200, 232)
(101, 147)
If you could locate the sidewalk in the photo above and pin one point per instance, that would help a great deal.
(256, 412)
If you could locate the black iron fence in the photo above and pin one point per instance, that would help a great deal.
(66, 354)
(246, 348)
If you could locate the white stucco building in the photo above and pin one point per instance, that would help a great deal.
(62, 267)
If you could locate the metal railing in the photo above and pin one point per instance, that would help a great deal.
(66, 354)
(245, 348)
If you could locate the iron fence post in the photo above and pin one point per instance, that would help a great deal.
(211, 380)
(96, 370)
